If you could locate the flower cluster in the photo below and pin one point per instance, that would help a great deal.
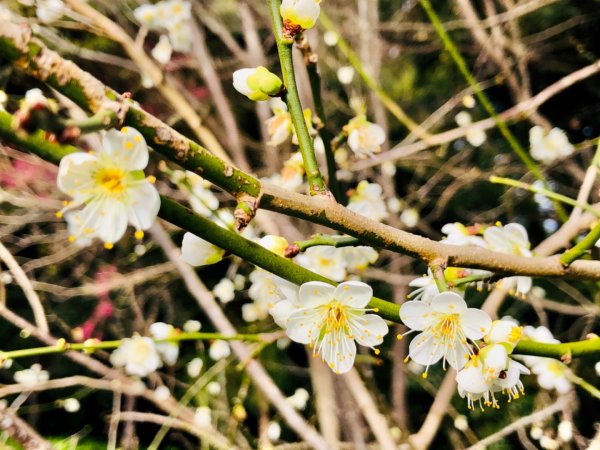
(364, 138)
(111, 187)
(548, 146)
(467, 340)
(171, 16)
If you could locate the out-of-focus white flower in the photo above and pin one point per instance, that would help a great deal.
(330, 38)
(32, 377)
(292, 174)
(279, 127)
(202, 200)
(175, 12)
(224, 290)
(268, 290)
(198, 252)
(512, 239)
(251, 312)
(547, 147)
(324, 260)
(138, 355)
(111, 185)
(71, 405)
(358, 258)
(504, 331)
(426, 289)
(3, 100)
(194, 367)
(565, 430)
(597, 368)
(162, 393)
(332, 319)
(410, 217)
(364, 138)
(474, 137)
(162, 50)
(299, 399)
(257, 83)
(180, 36)
(461, 423)
(50, 10)
(219, 350)
(169, 351)
(547, 443)
(536, 433)
(273, 431)
(367, 200)
(146, 15)
(299, 14)
(275, 244)
(5, 278)
(213, 388)
(552, 374)
(445, 325)
(468, 101)
(457, 234)
(388, 168)
(192, 326)
(345, 74)
(203, 417)
(395, 205)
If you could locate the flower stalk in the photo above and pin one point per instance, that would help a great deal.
(315, 179)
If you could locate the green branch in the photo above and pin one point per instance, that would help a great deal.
(590, 347)
(316, 183)
(333, 241)
(92, 345)
(485, 102)
(582, 247)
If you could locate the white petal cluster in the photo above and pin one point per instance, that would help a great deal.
(169, 351)
(171, 16)
(49, 11)
(299, 15)
(447, 329)
(32, 377)
(364, 138)
(548, 146)
(219, 350)
(111, 187)
(474, 137)
(291, 176)
(368, 200)
(551, 373)
(299, 399)
(138, 355)
(333, 319)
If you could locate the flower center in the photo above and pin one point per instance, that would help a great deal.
(335, 318)
(111, 180)
(446, 326)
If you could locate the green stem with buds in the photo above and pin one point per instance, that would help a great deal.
(582, 247)
(102, 120)
(316, 183)
(92, 345)
(485, 102)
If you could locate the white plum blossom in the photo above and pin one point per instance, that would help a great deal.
(345, 74)
(358, 258)
(292, 174)
(192, 326)
(169, 351)
(474, 137)
(512, 239)
(268, 291)
(279, 127)
(331, 38)
(299, 13)
(552, 374)
(198, 252)
(257, 83)
(111, 186)
(218, 350)
(203, 417)
(333, 319)
(50, 10)
(410, 217)
(138, 355)
(325, 260)
(213, 388)
(224, 290)
(480, 383)
(32, 377)
(161, 393)
(548, 146)
(194, 367)
(299, 399)
(273, 431)
(273, 243)
(180, 36)
(446, 326)
(202, 200)
(71, 405)
(368, 200)
(174, 11)
(364, 138)
(147, 15)
(504, 331)
(426, 288)
(84, 237)
(163, 50)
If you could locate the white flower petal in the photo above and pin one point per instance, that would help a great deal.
(415, 315)
(424, 349)
(75, 174)
(475, 323)
(107, 218)
(369, 330)
(126, 148)
(303, 326)
(354, 294)
(315, 293)
(144, 203)
(339, 352)
(448, 303)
